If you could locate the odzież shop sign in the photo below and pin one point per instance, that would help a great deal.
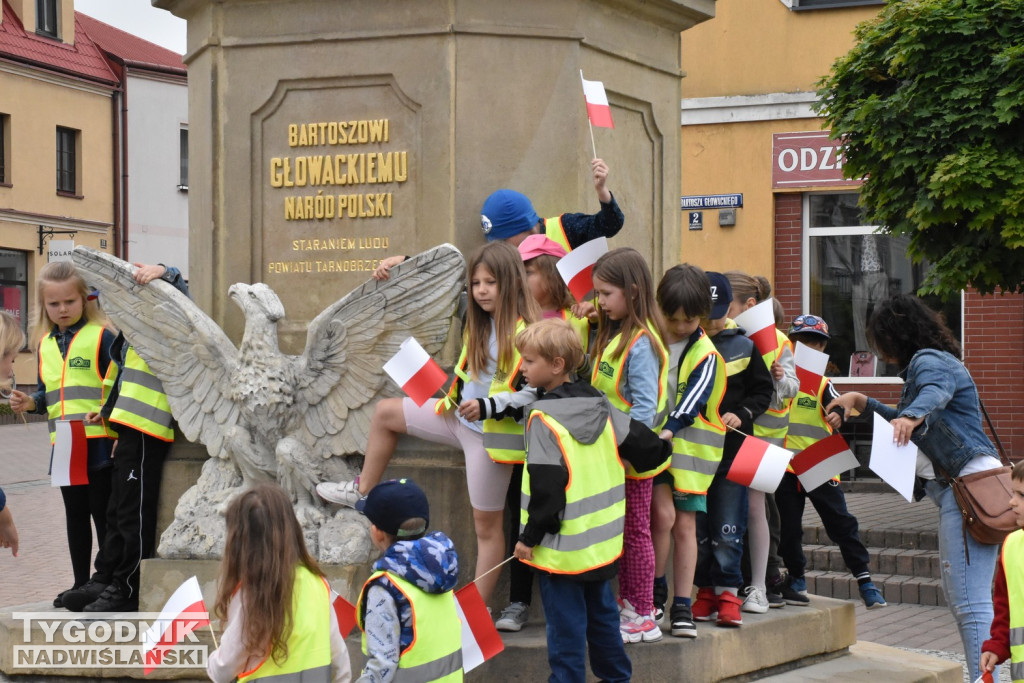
(808, 159)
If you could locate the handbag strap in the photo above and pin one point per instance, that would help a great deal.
(999, 444)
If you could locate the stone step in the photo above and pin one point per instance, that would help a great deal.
(895, 587)
(879, 538)
(870, 663)
(910, 562)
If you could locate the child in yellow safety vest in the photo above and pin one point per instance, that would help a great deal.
(1008, 593)
(406, 609)
(12, 340)
(272, 598)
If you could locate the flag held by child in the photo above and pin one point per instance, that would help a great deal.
(480, 639)
(346, 613)
(184, 612)
(70, 454)
(759, 465)
(577, 267)
(823, 460)
(759, 324)
(810, 367)
(598, 110)
(415, 371)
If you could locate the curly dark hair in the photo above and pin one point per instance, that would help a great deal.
(903, 325)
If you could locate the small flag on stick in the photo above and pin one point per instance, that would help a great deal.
(183, 613)
(823, 460)
(70, 454)
(810, 368)
(759, 324)
(577, 267)
(346, 613)
(759, 465)
(598, 110)
(480, 640)
(415, 371)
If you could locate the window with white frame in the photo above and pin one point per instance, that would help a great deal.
(848, 269)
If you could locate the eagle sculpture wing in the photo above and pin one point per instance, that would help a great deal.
(340, 375)
(189, 352)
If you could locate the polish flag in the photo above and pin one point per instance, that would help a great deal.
(577, 267)
(183, 613)
(415, 371)
(346, 613)
(810, 368)
(70, 463)
(823, 460)
(759, 465)
(598, 111)
(759, 324)
(480, 640)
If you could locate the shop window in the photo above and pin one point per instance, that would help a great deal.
(67, 160)
(14, 285)
(46, 17)
(848, 269)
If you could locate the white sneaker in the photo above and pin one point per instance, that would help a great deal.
(343, 493)
(513, 617)
(754, 600)
(637, 628)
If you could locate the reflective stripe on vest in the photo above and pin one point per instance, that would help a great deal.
(609, 377)
(1013, 547)
(141, 402)
(503, 439)
(309, 643)
(771, 425)
(554, 231)
(74, 386)
(435, 653)
(807, 425)
(590, 535)
(697, 449)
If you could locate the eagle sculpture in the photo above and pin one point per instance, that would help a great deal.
(262, 414)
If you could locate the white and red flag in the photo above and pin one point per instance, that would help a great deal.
(577, 267)
(70, 464)
(480, 639)
(415, 371)
(598, 110)
(183, 614)
(759, 324)
(822, 461)
(810, 367)
(759, 465)
(346, 613)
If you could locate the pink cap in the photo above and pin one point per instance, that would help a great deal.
(536, 245)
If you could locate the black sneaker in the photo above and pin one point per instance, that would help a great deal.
(59, 600)
(76, 600)
(774, 598)
(682, 622)
(113, 599)
(791, 595)
(660, 598)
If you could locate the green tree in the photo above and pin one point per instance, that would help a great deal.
(930, 104)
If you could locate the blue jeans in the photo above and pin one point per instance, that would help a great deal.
(720, 535)
(568, 604)
(968, 587)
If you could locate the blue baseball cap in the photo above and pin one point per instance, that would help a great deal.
(507, 213)
(390, 504)
(721, 295)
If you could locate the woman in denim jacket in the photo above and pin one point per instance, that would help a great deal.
(939, 411)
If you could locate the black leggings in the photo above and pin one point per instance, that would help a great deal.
(81, 503)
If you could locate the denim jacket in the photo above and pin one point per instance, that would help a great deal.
(938, 387)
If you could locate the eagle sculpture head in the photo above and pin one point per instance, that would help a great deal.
(257, 299)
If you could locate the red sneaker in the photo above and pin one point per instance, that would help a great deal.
(729, 607)
(705, 607)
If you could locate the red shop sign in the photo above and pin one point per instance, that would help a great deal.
(807, 159)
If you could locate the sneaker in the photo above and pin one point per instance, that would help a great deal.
(774, 599)
(705, 607)
(799, 585)
(791, 595)
(641, 629)
(113, 599)
(342, 493)
(682, 622)
(871, 596)
(660, 598)
(729, 613)
(513, 617)
(59, 600)
(76, 600)
(754, 600)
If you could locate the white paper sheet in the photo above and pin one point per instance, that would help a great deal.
(894, 464)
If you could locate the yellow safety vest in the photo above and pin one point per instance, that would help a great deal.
(503, 439)
(590, 535)
(771, 425)
(1013, 547)
(142, 403)
(580, 325)
(807, 424)
(697, 449)
(435, 653)
(554, 231)
(74, 385)
(609, 377)
(309, 643)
